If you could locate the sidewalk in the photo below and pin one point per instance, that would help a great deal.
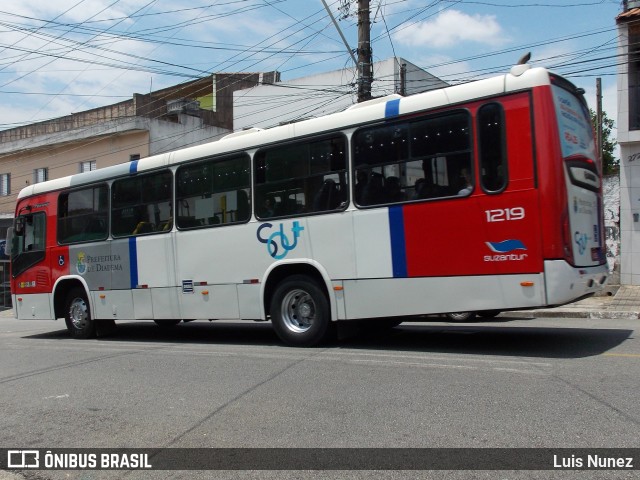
(623, 303)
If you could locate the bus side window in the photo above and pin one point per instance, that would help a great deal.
(491, 140)
(83, 215)
(417, 160)
(301, 178)
(141, 205)
(213, 192)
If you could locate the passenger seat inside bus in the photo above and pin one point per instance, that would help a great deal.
(328, 198)
(143, 227)
(373, 191)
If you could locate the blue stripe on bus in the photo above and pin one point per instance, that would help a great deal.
(398, 249)
(133, 262)
(392, 108)
(133, 166)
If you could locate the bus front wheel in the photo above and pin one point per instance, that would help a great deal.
(300, 312)
(78, 316)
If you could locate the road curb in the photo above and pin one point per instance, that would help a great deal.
(595, 314)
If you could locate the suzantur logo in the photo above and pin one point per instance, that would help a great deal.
(504, 251)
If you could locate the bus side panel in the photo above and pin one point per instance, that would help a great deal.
(94, 263)
(484, 234)
(392, 297)
(215, 260)
(36, 306)
(114, 304)
(154, 274)
(331, 241)
(373, 244)
(553, 197)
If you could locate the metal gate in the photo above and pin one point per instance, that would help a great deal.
(5, 286)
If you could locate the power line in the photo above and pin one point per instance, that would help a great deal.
(247, 54)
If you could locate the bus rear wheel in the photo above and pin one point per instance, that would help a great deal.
(300, 312)
(78, 315)
(461, 316)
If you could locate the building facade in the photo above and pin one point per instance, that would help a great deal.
(188, 114)
(628, 24)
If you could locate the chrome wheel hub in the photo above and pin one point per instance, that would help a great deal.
(298, 310)
(78, 313)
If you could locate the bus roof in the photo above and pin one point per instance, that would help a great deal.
(521, 77)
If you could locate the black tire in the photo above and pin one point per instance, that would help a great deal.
(489, 313)
(77, 314)
(300, 312)
(167, 323)
(461, 316)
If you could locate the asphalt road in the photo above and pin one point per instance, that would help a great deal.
(522, 383)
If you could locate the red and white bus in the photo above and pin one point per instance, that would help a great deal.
(479, 197)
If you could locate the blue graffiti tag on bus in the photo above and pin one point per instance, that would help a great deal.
(278, 240)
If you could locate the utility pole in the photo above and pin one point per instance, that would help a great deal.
(403, 80)
(599, 121)
(365, 67)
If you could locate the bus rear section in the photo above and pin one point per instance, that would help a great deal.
(571, 186)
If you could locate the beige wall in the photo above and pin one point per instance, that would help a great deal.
(63, 160)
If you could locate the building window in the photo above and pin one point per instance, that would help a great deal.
(40, 175)
(5, 184)
(87, 166)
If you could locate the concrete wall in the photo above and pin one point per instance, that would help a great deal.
(611, 193)
(630, 213)
(188, 131)
(270, 105)
(629, 142)
(75, 121)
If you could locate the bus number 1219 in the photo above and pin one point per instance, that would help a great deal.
(505, 214)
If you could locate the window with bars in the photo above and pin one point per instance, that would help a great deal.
(5, 184)
(40, 175)
(87, 166)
